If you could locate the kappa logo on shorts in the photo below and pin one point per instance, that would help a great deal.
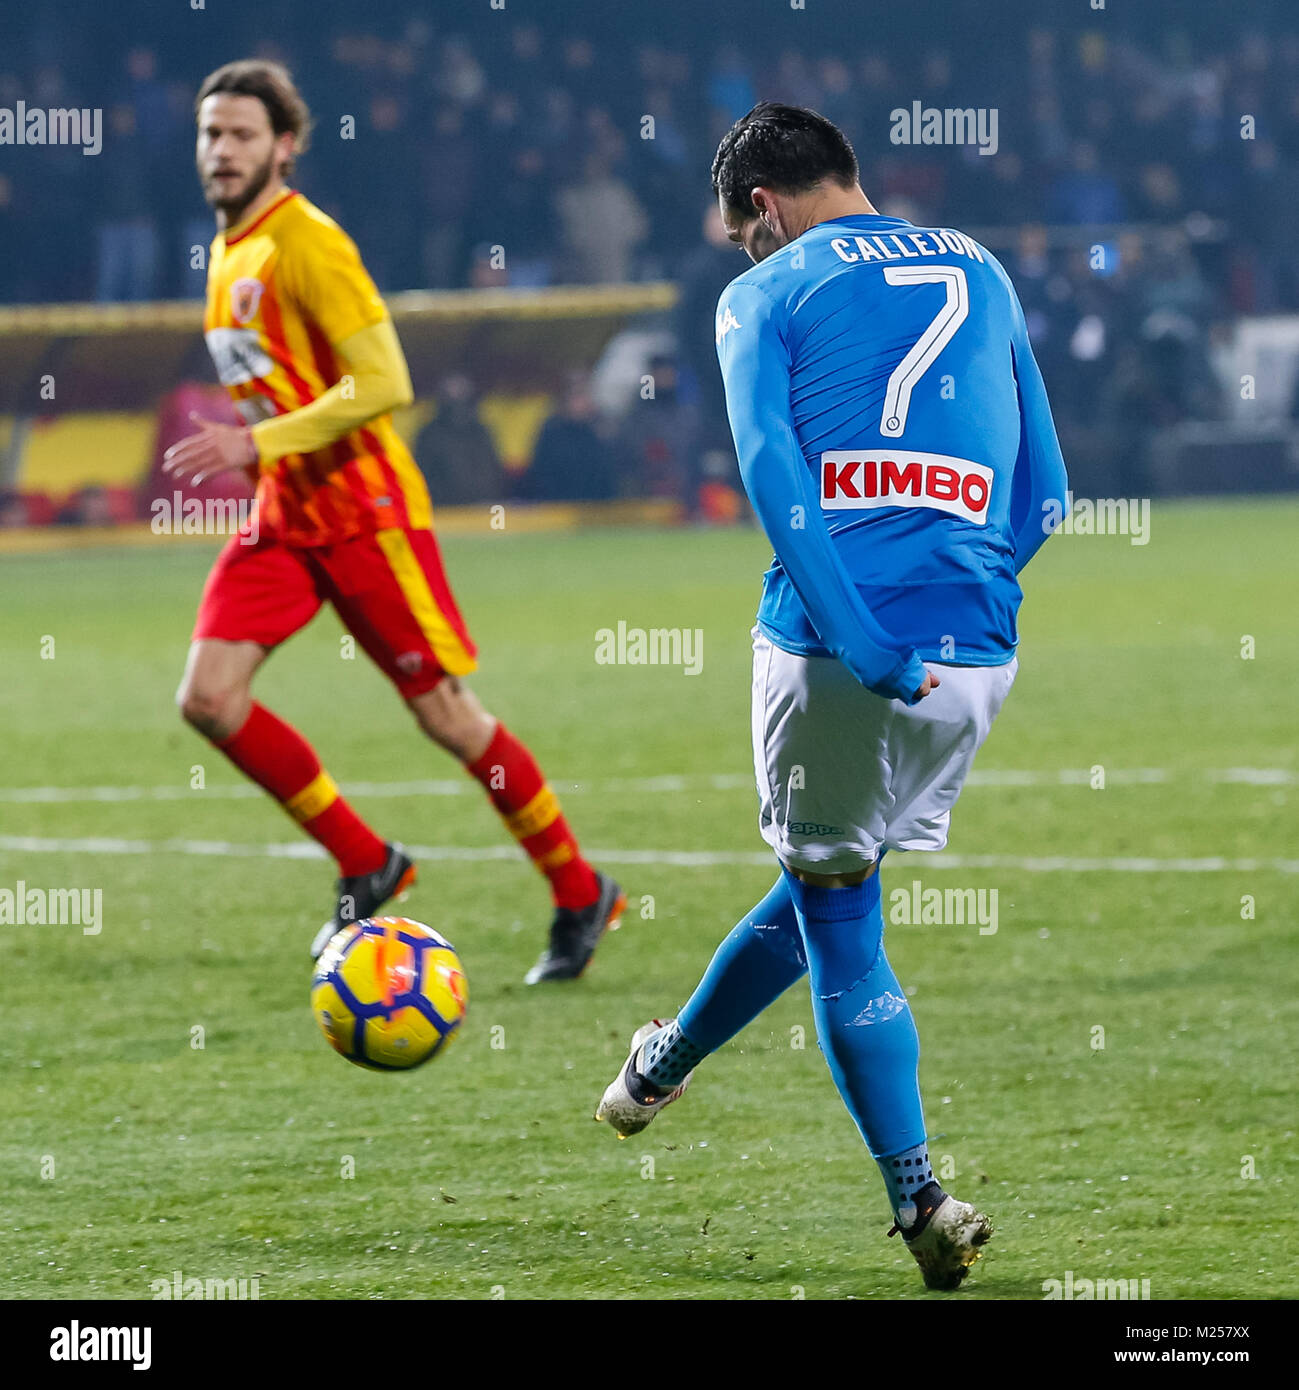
(409, 663)
(813, 827)
(245, 296)
(858, 480)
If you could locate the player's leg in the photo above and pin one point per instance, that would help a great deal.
(864, 1022)
(825, 754)
(586, 902)
(755, 964)
(215, 694)
(869, 1040)
(761, 958)
(391, 591)
(256, 597)
(453, 717)
(865, 1027)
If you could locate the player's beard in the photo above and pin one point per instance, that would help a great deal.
(233, 208)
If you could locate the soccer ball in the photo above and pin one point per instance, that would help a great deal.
(389, 993)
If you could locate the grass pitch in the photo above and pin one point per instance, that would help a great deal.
(1110, 1074)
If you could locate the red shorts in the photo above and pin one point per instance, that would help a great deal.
(388, 588)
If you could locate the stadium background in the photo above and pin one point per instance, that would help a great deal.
(467, 148)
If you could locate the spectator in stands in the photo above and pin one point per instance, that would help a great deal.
(1083, 194)
(602, 223)
(525, 66)
(517, 214)
(128, 233)
(387, 151)
(20, 280)
(455, 452)
(658, 441)
(13, 511)
(702, 277)
(488, 267)
(88, 506)
(730, 85)
(574, 459)
(1272, 197)
(447, 182)
(484, 124)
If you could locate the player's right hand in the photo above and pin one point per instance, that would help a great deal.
(931, 683)
(214, 449)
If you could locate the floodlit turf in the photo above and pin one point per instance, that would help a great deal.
(1102, 1073)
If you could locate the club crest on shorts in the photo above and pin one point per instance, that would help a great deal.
(245, 296)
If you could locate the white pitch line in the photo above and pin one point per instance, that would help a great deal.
(669, 858)
(240, 791)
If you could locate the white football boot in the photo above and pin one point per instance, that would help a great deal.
(619, 1107)
(953, 1238)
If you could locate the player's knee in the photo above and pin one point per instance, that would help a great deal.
(842, 930)
(208, 707)
(452, 717)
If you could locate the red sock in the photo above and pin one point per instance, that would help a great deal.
(281, 761)
(532, 815)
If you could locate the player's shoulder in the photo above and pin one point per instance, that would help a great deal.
(764, 283)
(752, 298)
(307, 225)
(962, 245)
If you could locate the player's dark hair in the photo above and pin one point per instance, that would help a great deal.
(273, 86)
(788, 148)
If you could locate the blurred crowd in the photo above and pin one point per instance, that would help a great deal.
(508, 151)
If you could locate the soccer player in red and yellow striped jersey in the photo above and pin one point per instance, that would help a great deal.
(304, 343)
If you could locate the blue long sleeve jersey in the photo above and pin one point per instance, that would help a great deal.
(895, 440)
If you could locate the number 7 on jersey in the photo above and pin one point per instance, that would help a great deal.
(924, 351)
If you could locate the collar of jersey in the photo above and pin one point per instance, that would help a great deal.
(856, 217)
(241, 229)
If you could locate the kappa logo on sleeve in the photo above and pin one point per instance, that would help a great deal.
(725, 322)
(858, 480)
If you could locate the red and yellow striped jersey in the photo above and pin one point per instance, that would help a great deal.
(283, 290)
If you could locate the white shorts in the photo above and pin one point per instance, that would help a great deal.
(843, 773)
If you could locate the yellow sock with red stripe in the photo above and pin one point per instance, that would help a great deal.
(283, 763)
(532, 815)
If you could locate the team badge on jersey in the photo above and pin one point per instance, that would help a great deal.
(245, 296)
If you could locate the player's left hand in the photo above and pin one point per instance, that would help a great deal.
(214, 449)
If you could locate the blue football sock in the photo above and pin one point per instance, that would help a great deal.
(906, 1175)
(668, 1058)
(863, 1020)
(751, 969)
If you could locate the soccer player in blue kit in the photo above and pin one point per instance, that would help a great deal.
(895, 441)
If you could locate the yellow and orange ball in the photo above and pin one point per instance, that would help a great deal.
(389, 993)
